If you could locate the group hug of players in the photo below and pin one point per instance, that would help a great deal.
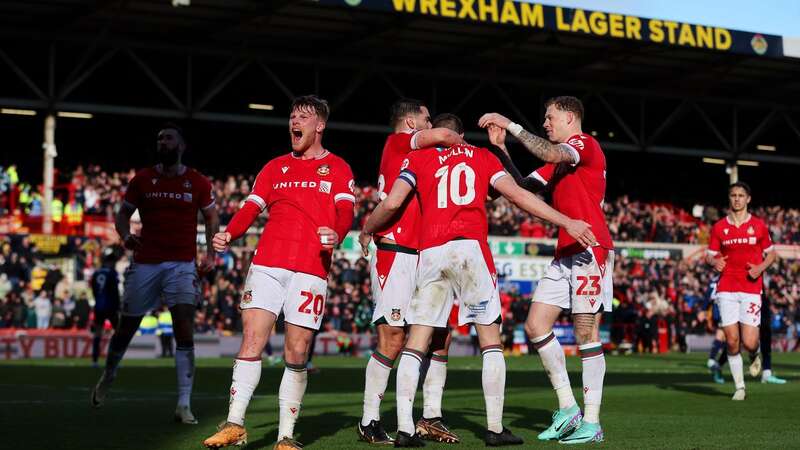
(430, 237)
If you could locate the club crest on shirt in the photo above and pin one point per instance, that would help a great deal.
(395, 314)
(577, 143)
(247, 297)
(750, 230)
(187, 184)
(323, 170)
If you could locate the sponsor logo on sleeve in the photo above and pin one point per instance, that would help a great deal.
(325, 186)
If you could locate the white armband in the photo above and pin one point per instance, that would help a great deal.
(514, 128)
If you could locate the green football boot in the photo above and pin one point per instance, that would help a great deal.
(564, 421)
(586, 433)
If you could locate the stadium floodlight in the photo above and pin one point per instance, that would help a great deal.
(261, 106)
(766, 148)
(743, 162)
(714, 161)
(611, 134)
(177, 3)
(18, 112)
(594, 133)
(74, 115)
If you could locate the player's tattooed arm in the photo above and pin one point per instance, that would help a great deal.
(539, 147)
(546, 150)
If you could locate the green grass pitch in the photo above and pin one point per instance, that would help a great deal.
(649, 402)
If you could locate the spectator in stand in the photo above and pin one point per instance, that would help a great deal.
(44, 310)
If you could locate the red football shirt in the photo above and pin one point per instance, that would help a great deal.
(578, 191)
(168, 208)
(744, 244)
(452, 185)
(300, 196)
(404, 229)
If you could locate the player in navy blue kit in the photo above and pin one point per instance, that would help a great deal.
(105, 288)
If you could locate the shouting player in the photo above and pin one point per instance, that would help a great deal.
(393, 271)
(308, 194)
(578, 279)
(168, 197)
(455, 261)
(739, 243)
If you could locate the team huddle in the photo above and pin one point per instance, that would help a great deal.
(427, 240)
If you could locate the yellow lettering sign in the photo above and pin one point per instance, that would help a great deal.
(705, 37)
(633, 28)
(447, 8)
(722, 39)
(468, 10)
(560, 24)
(404, 5)
(579, 22)
(428, 7)
(509, 13)
(488, 9)
(532, 15)
(597, 21)
(686, 36)
(616, 26)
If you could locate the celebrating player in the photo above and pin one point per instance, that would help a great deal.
(739, 243)
(455, 261)
(308, 194)
(578, 278)
(393, 271)
(105, 289)
(168, 197)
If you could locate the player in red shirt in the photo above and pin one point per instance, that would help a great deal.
(393, 271)
(578, 279)
(455, 262)
(309, 196)
(739, 243)
(168, 197)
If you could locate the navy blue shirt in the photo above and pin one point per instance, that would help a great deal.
(105, 286)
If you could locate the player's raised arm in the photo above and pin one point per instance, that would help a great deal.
(578, 229)
(497, 138)
(539, 147)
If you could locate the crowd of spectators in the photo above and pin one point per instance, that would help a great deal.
(649, 293)
(99, 193)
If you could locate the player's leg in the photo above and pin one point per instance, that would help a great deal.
(183, 325)
(295, 378)
(729, 307)
(181, 290)
(393, 276)
(379, 367)
(408, 371)
(717, 357)
(493, 380)
(587, 335)
(434, 373)
(303, 311)
(591, 290)
(142, 292)
(256, 323)
(98, 322)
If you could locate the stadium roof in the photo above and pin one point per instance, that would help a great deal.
(212, 59)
